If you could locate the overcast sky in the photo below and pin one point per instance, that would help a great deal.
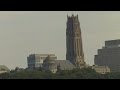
(23, 33)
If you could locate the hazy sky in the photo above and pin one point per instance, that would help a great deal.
(23, 33)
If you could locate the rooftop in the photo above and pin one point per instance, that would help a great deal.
(65, 64)
(112, 42)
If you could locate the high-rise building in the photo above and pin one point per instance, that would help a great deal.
(109, 55)
(74, 47)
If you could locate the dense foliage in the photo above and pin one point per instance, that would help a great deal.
(66, 74)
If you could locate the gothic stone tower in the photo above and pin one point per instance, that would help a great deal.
(74, 51)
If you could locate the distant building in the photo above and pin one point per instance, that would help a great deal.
(65, 64)
(101, 69)
(109, 55)
(4, 69)
(74, 47)
(36, 60)
(49, 63)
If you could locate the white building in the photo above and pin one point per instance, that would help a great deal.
(101, 69)
(36, 60)
(4, 69)
(48, 62)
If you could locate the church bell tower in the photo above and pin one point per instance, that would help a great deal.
(74, 48)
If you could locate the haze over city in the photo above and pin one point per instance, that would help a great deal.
(28, 32)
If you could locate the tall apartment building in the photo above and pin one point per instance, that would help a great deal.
(109, 55)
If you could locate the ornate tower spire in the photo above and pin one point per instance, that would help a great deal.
(74, 51)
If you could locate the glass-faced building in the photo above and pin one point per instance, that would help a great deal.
(109, 55)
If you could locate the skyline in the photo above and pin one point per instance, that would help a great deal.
(27, 32)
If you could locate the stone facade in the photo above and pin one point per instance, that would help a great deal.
(101, 69)
(109, 55)
(74, 47)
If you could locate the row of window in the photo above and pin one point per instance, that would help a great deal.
(45, 58)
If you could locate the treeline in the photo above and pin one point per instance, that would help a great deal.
(87, 73)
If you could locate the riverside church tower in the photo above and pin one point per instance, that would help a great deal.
(74, 52)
